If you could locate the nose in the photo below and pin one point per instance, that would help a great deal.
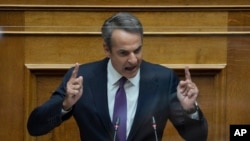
(132, 59)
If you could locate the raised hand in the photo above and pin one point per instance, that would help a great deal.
(187, 91)
(74, 89)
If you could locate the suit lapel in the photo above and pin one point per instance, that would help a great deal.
(147, 90)
(99, 91)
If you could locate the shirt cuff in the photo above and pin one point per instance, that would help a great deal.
(65, 112)
(194, 115)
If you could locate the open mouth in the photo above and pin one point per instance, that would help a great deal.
(132, 68)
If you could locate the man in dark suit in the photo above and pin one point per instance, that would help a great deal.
(154, 93)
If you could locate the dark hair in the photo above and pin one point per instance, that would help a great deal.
(122, 20)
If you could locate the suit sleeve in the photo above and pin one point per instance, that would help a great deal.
(47, 116)
(189, 129)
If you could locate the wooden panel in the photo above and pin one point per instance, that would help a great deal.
(11, 80)
(239, 21)
(11, 88)
(128, 2)
(238, 74)
(63, 49)
(158, 49)
(187, 50)
(11, 21)
(92, 21)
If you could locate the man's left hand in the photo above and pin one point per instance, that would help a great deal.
(187, 92)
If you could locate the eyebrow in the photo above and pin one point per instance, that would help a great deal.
(138, 48)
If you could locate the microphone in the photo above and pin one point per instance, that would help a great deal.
(117, 122)
(154, 127)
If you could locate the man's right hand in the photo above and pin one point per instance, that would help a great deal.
(74, 89)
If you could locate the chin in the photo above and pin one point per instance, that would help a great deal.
(130, 74)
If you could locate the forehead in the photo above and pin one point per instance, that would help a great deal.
(122, 38)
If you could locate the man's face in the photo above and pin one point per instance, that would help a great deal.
(126, 52)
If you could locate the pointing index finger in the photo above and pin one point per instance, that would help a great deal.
(187, 73)
(75, 71)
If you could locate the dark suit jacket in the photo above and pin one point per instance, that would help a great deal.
(157, 97)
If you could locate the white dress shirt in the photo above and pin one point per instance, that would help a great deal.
(132, 92)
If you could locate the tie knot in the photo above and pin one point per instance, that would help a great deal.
(122, 81)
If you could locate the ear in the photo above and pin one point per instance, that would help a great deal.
(106, 49)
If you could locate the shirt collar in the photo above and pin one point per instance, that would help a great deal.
(114, 76)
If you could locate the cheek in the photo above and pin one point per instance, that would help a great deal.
(118, 63)
(139, 56)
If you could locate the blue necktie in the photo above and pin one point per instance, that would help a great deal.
(120, 110)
